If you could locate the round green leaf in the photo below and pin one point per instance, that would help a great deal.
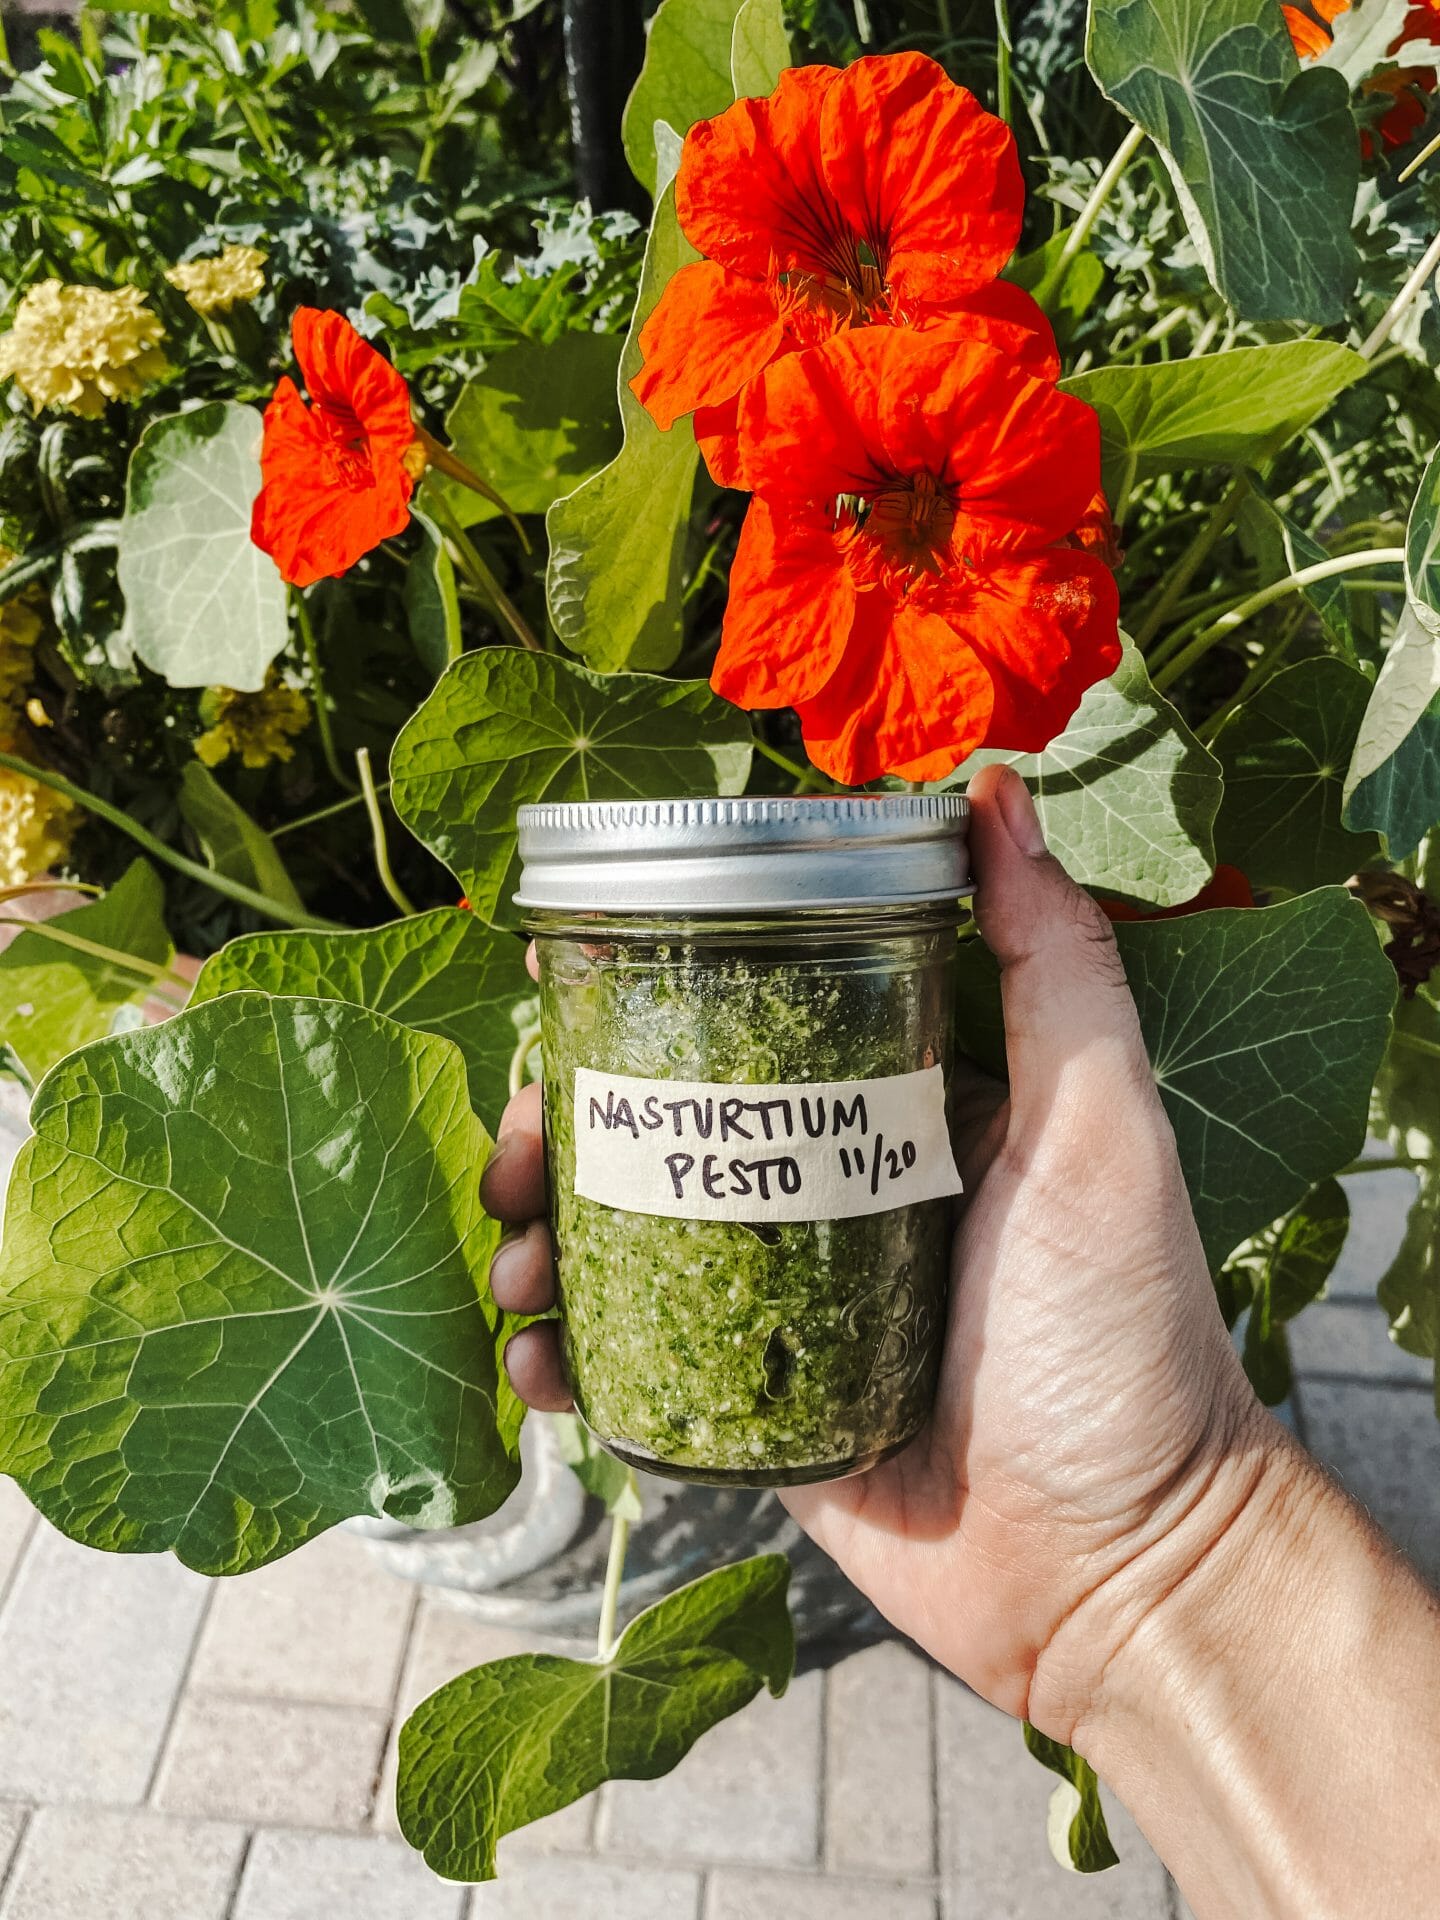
(685, 77)
(203, 605)
(1284, 755)
(505, 727)
(240, 1299)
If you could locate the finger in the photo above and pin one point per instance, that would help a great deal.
(532, 961)
(1068, 1010)
(522, 1274)
(512, 1186)
(532, 1360)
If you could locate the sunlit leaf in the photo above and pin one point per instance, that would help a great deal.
(511, 1741)
(1276, 1274)
(242, 1296)
(759, 48)
(599, 1472)
(233, 843)
(685, 78)
(1079, 1838)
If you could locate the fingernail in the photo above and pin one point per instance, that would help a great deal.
(1017, 810)
(507, 1255)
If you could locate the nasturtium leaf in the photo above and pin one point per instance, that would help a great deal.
(1066, 289)
(232, 842)
(685, 78)
(759, 48)
(1284, 755)
(1277, 1273)
(538, 421)
(1078, 1836)
(1393, 782)
(442, 972)
(243, 1291)
(1410, 1287)
(1283, 548)
(1407, 1114)
(1228, 408)
(1127, 794)
(1265, 158)
(55, 997)
(598, 1472)
(203, 605)
(617, 543)
(509, 1742)
(432, 604)
(1265, 1026)
(1422, 546)
(505, 727)
(1363, 35)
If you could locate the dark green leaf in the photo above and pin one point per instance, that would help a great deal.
(1079, 1838)
(1066, 289)
(441, 972)
(1126, 793)
(203, 605)
(1407, 1114)
(536, 423)
(505, 727)
(1393, 782)
(1284, 755)
(1229, 408)
(599, 1472)
(511, 1741)
(1277, 1273)
(1265, 158)
(1284, 548)
(242, 1295)
(233, 843)
(54, 997)
(685, 78)
(432, 605)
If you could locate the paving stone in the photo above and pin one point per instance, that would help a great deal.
(589, 1889)
(1379, 1203)
(748, 1790)
(131, 1865)
(737, 1894)
(1384, 1444)
(325, 1623)
(879, 1800)
(1352, 1336)
(93, 1648)
(17, 1522)
(447, 1641)
(994, 1854)
(271, 1762)
(331, 1876)
(12, 1825)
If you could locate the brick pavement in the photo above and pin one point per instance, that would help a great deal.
(178, 1749)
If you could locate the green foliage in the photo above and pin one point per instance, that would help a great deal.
(1407, 1114)
(231, 841)
(685, 78)
(441, 972)
(759, 48)
(432, 603)
(1276, 1274)
(1079, 1838)
(1264, 158)
(242, 1297)
(485, 1755)
(204, 606)
(505, 728)
(600, 1473)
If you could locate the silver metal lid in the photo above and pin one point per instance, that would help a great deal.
(739, 856)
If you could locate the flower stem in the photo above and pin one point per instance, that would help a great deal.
(152, 843)
(1403, 1161)
(1292, 583)
(124, 962)
(1099, 194)
(377, 834)
(1385, 325)
(1002, 60)
(1418, 1042)
(322, 704)
(614, 1573)
(444, 461)
(481, 577)
(526, 1045)
(356, 799)
(1199, 549)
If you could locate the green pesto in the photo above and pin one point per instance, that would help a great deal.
(773, 1354)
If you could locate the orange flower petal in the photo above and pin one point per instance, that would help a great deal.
(710, 332)
(789, 612)
(344, 374)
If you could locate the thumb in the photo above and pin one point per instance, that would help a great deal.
(1072, 1035)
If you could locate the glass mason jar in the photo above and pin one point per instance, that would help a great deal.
(746, 1009)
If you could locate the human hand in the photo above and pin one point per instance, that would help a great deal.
(1093, 1428)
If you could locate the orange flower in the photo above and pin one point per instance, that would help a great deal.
(899, 579)
(1226, 887)
(883, 193)
(1405, 85)
(338, 474)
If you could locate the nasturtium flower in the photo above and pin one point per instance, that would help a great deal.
(256, 727)
(883, 194)
(337, 475)
(900, 578)
(1226, 887)
(36, 825)
(221, 280)
(1312, 35)
(75, 348)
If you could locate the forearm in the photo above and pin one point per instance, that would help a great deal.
(1272, 1713)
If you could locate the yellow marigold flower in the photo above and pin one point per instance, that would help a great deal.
(20, 628)
(36, 826)
(222, 281)
(77, 347)
(256, 726)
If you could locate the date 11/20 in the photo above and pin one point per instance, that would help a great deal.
(885, 1162)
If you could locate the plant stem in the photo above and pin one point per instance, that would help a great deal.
(526, 1045)
(804, 777)
(1418, 1042)
(1292, 583)
(1198, 550)
(481, 577)
(454, 468)
(1099, 194)
(1002, 60)
(1404, 1161)
(614, 1573)
(152, 843)
(325, 813)
(1384, 326)
(377, 834)
(112, 957)
(322, 707)
(1264, 669)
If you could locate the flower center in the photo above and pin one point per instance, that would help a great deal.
(348, 445)
(814, 305)
(901, 533)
